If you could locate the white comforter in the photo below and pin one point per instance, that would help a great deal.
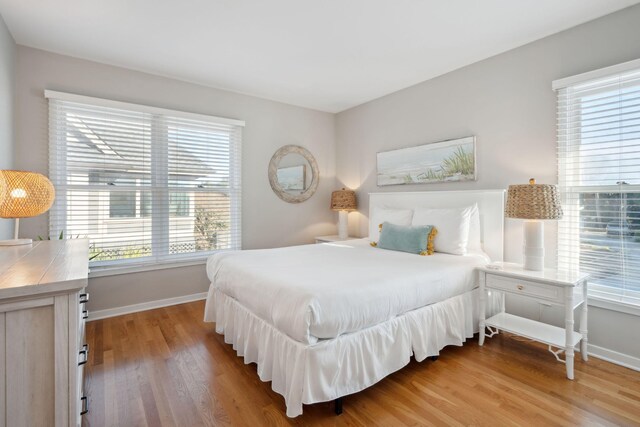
(314, 292)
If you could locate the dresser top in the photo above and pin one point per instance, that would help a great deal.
(548, 275)
(43, 267)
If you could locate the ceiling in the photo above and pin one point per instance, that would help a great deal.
(329, 55)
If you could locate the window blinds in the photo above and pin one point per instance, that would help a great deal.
(145, 185)
(599, 180)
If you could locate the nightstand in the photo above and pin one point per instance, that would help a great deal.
(565, 289)
(331, 238)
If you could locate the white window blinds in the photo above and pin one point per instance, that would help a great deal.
(146, 185)
(599, 179)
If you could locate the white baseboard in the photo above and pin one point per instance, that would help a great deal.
(117, 311)
(621, 359)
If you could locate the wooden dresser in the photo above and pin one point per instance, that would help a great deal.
(42, 318)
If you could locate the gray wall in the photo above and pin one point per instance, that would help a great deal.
(507, 102)
(7, 77)
(267, 221)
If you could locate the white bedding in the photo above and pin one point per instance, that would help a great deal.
(314, 292)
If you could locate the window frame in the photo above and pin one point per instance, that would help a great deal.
(599, 295)
(161, 256)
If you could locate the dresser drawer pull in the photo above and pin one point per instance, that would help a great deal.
(520, 287)
(84, 353)
(84, 405)
(85, 314)
(84, 298)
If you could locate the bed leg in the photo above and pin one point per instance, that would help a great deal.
(338, 406)
(434, 358)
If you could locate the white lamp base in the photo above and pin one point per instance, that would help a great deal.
(343, 224)
(15, 242)
(534, 245)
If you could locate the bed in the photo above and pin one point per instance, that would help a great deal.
(325, 321)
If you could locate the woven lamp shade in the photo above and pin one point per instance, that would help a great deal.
(3, 188)
(533, 201)
(27, 194)
(344, 200)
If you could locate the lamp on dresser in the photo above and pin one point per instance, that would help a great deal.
(26, 194)
(343, 201)
(533, 203)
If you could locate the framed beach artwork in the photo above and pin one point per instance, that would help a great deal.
(446, 161)
(292, 177)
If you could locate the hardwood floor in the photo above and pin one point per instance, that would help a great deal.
(167, 367)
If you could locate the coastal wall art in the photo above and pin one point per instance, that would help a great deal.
(446, 161)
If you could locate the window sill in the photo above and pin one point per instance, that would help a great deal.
(117, 270)
(614, 305)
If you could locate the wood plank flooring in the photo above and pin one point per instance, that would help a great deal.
(166, 367)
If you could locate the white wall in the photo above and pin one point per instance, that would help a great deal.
(507, 102)
(7, 77)
(267, 221)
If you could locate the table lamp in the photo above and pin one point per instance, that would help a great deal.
(533, 203)
(343, 201)
(27, 194)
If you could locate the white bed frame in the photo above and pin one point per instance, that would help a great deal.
(419, 333)
(490, 204)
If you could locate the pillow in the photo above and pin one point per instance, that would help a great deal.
(452, 225)
(392, 216)
(415, 240)
(475, 236)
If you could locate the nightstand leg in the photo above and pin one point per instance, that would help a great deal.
(482, 314)
(583, 323)
(568, 320)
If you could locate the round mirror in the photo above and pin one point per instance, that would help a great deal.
(293, 174)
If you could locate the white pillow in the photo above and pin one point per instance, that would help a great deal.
(452, 225)
(393, 216)
(475, 236)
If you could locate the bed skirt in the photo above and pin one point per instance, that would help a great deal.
(306, 374)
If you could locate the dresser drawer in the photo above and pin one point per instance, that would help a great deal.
(525, 287)
(82, 357)
(83, 400)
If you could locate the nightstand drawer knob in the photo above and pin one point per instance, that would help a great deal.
(520, 287)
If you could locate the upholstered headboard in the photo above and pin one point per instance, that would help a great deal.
(490, 204)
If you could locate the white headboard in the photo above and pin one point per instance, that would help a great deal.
(490, 204)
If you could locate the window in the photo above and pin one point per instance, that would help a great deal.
(599, 179)
(179, 204)
(145, 185)
(122, 204)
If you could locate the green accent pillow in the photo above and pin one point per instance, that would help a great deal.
(415, 240)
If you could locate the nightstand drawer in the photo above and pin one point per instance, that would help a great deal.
(524, 287)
